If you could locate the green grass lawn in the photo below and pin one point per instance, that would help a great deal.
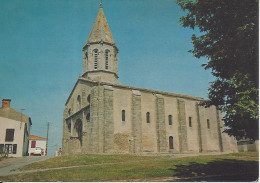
(228, 167)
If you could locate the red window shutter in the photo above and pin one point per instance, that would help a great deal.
(33, 144)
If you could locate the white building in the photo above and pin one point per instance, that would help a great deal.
(37, 142)
(14, 131)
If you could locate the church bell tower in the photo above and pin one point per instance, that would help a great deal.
(100, 54)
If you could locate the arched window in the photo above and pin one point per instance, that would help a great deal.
(88, 117)
(88, 98)
(86, 54)
(170, 119)
(78, 129)
(69, 127)
(190, 124)
(79, 101)
(208, 125)
(69, 111)
(171, 142)
(95, 59)
(123, 115)
(106, 58)
(147, 117)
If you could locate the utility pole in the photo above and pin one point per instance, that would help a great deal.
(46, 150)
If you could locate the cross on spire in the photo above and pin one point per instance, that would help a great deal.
(100, 4)
(100, 30)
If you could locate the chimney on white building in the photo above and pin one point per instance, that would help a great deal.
(6, 103)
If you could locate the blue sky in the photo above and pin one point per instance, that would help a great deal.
(41, 53)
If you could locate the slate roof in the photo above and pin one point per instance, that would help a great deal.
(11, 113)
(100, 30)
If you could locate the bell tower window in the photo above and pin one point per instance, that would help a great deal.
(106, 58)
(95, 59)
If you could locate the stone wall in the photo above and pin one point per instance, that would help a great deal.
(136, 141)
(171, 130)
(74, 110)
(106, 132)
(160, 124)
(182, 126)
(97, 74)
(122, 129)
(149, 133)
(108, 142)
(192, 131)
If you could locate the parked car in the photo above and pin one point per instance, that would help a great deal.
(38, 151)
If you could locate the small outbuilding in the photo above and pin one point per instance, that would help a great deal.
(37, 146)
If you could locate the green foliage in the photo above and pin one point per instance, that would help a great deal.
(230, 43)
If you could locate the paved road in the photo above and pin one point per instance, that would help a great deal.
(14, 166)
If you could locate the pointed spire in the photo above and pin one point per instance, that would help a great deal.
(100, 30)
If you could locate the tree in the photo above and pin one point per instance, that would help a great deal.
(229, 40)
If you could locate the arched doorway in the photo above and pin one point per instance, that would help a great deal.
(77, 130)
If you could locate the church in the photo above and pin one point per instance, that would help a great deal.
(102, 115)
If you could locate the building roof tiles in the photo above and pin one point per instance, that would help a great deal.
(34, 137)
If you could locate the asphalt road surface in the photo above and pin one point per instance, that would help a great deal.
(14, 166)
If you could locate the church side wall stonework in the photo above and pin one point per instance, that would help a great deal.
(106, 132)
(199, 126)
(96, 120)
(108, 141)
(160, 124)
(172, 130)
(122, 129)
(75, 141)
(203, 131)
(182, 126)
(210, 132)
(72, 112)
(149, 130)
(192, 129)
(136, 144)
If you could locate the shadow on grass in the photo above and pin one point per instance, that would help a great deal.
(219, 170)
